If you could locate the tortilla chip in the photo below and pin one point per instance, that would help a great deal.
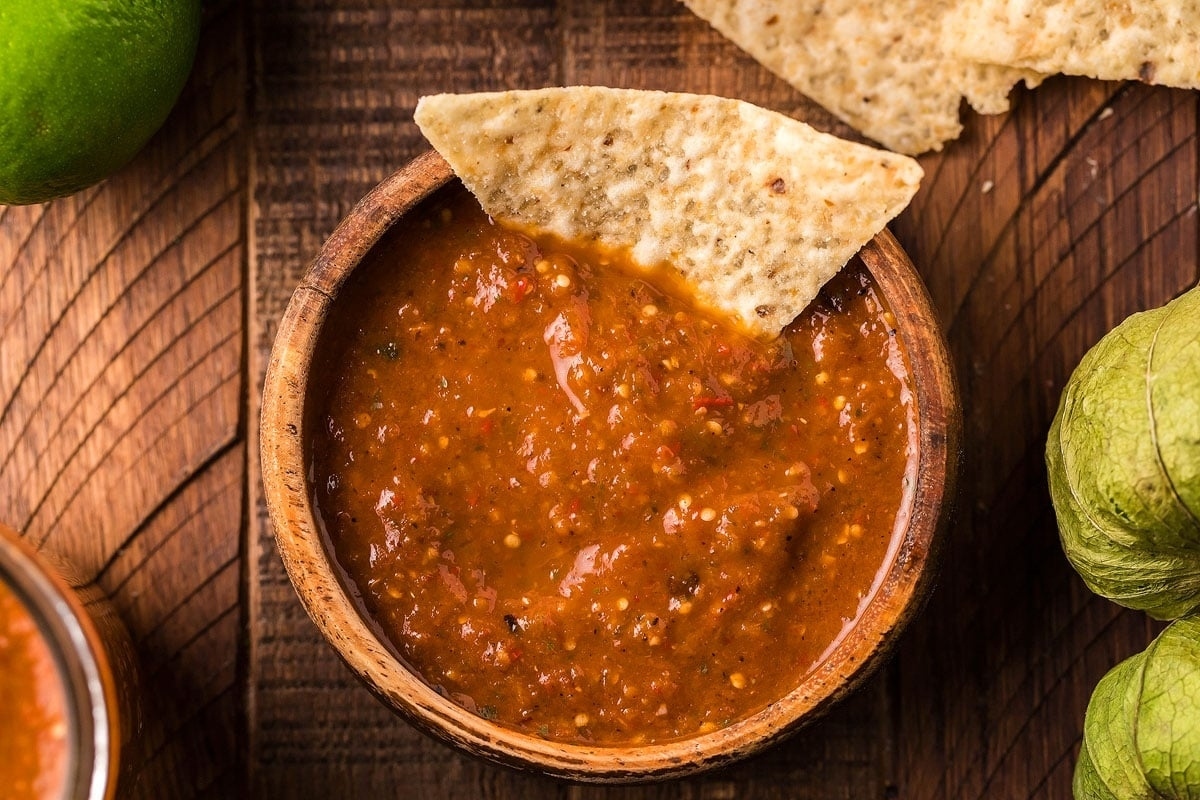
(1156, 41)
(755, 210)
(880, 66)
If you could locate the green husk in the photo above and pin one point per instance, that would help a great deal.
(1123, 457)
(1141, 738)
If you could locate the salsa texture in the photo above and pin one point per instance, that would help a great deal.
(33, 716)
(579, 505)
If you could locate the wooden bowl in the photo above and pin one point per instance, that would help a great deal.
(79, 628)
(306, 554)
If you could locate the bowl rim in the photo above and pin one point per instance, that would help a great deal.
(84, 669)
(318, 583)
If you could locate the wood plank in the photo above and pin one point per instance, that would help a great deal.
(336, 85)
(121, 402)
(1092, 214)
(661, 45)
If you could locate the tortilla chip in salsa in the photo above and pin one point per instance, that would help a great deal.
(753, 210)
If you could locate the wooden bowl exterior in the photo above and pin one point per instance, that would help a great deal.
(316, 578)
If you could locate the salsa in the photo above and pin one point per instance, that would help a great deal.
(33, 717)
(581, 506)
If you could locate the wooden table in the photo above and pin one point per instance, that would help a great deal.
(137, 316)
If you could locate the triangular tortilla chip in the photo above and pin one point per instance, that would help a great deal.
(1156, 41)
(754, 209)
(877, 64)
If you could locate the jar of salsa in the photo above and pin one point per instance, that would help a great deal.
(60, 717)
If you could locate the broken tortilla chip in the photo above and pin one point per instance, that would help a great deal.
(1156, 41)
(754, 210)
(880, 66)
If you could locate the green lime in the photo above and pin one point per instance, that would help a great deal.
(83, 85)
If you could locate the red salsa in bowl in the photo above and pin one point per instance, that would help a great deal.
(578, 505)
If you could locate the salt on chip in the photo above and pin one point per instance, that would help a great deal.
(1156, 41)
(877, 64)
(755, 210)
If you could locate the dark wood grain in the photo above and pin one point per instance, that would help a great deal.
(335, 88)
(121, 410)
(135, 319)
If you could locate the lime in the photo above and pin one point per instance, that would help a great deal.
(83, 85)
